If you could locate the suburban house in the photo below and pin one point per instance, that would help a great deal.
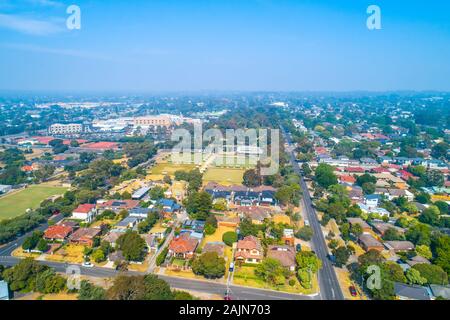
(288, 237)
(381, 227)
(399, 246)
(151, 241)
(117, 205)
(284, 254)
(57, 233)
(227, 220)
(85, 212)
(127, 223)
(368, 242)
(140, 193)
(218, 191)
(249, 250)
(139, 212)
(85, 236)
(243, 196)
(417, 260)
(194, 225)
(371, 201)
(217, 247)
(408, 292)
(112, 237)
(246, 198)
(4, 290)
(364, 226)
(256, 214)
(169, 207)
(183, 246)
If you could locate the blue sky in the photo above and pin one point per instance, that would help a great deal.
(170, 45)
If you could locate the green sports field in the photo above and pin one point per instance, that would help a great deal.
(16, 204)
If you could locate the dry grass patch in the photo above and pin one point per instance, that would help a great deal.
(71, 253)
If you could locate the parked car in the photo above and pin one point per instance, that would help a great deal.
(352, 290)
(231, 267)
(298, 247)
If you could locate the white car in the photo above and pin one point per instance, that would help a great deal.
(87, 265)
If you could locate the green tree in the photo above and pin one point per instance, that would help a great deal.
(432, 273)
(430, 216)
(42, 245)
(88, 291)
(308, 260)
(424, 251)
(252, 178)
(199, 205)
(271, 271)
(132, 246)
(325, 176)
(305, 233)
(98, 255)
(413, 276)
(229, 238)
(210, 265)
(442, 252)
(341, 255)
(304, 276)
(392, 234)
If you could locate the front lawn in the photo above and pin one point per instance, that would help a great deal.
(71, 253)
(245, 276)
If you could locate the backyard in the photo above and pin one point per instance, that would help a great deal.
(17, 203)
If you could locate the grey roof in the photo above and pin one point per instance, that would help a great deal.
(411, 292)
(141, 192)
(440, 291)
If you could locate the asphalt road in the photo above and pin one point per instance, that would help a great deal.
(328, 282)
(7, 249)
(237, 292)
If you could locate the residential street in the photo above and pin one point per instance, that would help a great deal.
(237, 292)
(328, 282)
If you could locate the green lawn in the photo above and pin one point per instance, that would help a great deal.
(16, 204)
(226, 176)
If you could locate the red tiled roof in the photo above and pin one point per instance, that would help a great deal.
(57, 232)
(84, 208)
(347, 178)
(27, 168)
(380, 170)
(249, 243)
(183, 244)
(354, 169)
(44, 140)
(102, 145)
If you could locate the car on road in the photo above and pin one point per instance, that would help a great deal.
(231, 267)
(87, 264)
(352, 290)
(307, 222)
